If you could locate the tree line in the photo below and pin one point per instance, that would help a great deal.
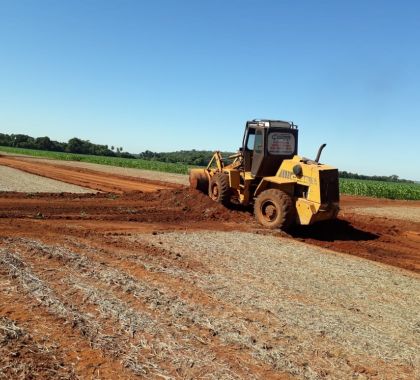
(74, 145)
(188, 157)
(391, 178)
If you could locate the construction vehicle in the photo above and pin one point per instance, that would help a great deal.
(284, 188)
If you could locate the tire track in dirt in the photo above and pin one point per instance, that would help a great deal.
(86, 177)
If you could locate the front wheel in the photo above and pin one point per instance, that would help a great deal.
(273, 208)
(219, 189)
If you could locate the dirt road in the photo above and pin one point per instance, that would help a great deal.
(168, 284)
(15, 180)
(85, 177)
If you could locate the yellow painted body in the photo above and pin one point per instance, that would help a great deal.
(305, 188)
(310, 208)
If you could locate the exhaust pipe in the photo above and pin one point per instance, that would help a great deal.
(318, 156)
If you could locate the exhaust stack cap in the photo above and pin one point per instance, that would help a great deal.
(318, 156)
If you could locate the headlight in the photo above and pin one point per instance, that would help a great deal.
(297, 170)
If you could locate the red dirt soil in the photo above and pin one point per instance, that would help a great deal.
(394, 242)
(390, 241)
(97, 225)
(100, 221)
(85, 177)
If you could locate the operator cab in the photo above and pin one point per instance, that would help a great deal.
(266, 144)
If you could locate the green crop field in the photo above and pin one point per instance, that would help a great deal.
(379, 189)
(103, 160)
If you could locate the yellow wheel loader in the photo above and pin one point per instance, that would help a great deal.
(284, 188)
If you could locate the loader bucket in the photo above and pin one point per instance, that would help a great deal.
(199, 180)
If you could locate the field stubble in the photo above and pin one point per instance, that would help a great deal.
(223, 305)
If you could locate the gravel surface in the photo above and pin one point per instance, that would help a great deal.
(403, 213)
(17, 180)
(345, 309)
(181, 179)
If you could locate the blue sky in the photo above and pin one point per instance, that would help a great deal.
(170, 75)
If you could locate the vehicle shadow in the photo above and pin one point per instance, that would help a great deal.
(331, 230)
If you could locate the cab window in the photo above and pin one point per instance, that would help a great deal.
(258, 143)
(251, 139)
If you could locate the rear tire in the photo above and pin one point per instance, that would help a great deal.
(219, 189)
(273, 208)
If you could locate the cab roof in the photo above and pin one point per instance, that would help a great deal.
(272, 123)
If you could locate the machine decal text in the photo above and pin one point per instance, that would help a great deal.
(305, 179)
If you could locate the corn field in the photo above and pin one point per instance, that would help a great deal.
(379, 189)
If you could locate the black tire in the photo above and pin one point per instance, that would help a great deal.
(273, 208)
(219, 189)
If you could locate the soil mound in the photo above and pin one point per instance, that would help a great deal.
(168, 205)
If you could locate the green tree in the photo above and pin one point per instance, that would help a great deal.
(75, 145)
(44, 143)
